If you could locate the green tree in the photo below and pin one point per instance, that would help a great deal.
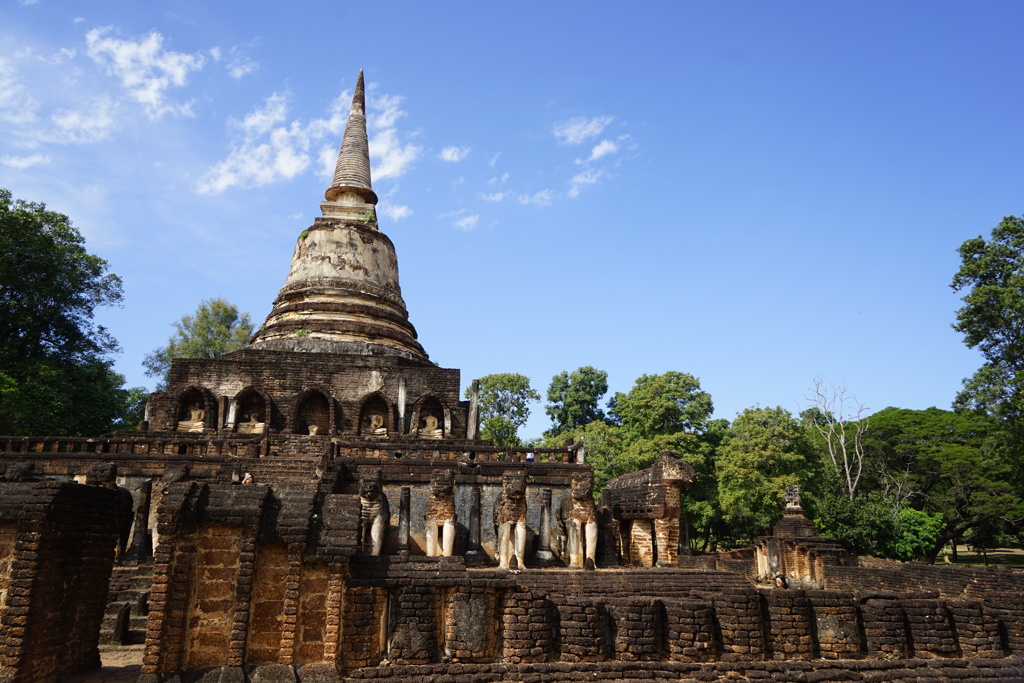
(574, 398)
(56, 374)
(991, 275)
(765, 450)
(504, 405)
(214, 329)
(961, 466)
(658, 405)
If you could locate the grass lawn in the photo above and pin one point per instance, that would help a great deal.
(1000, 557)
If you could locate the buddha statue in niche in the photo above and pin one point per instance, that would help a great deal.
(373, 424)
(196, 421)
(253, 424)
(429, 427)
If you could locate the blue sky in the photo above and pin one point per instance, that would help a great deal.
(755, 193)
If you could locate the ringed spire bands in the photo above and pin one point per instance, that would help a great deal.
(351, 193)
(342, 293)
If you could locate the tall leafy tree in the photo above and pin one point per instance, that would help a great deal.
(960, 465)
(574, 398)
(56, 373)
(214, 329)
(765, 450)
(659, 405)
(991, 276)
(504, 405)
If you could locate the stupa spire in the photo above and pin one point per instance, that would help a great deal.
(341, 294)
(351, 194)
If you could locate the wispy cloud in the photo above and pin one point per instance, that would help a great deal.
(496, 179)
(461, 219)
(270, 150)
(93, 122)
(24, 162)
(453, 153)
(237, 63)
(541, 198)
(584, 179)
(495, 196)
(395, 212)
(601, 149)
(17, 106)
(577, 130)
(146, 70)
(392, 158)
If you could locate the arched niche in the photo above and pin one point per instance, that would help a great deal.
(315, 413)
(251, 411)
(430, 418)
(195, 410)
(374, 416)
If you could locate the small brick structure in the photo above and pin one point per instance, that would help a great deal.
(57, 542)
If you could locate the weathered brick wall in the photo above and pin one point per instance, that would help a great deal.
(916, 576)
(836, 625)
(637, 628)
(57, 573)
(8, 539)
(528, 627)
(583, 630)
(789, 625)
(211, 605)
(690, 631)
(471, 623)
(268, 605)
(363, 610)
(414, 624)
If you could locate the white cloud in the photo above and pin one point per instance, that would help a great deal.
(495, 180)
(493, 160)
(271, 150)
(17, 106)
(242, 66)
(453, 153)
(542, 198)
(146, 70)
(263, 119)
(580, 129)
(391, 157)
(583, 179)
(215, 53)
(24, 162)
(91, 123)
(495, 196)
(27, 3)
(468, 222)
(462, 219)
(395, 212)
(603, 148)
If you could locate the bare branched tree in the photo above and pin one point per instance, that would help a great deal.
(841, 425)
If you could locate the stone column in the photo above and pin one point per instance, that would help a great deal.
(402, 428)
(473, 426)
(403, 521)
(474, 553)
(142, 541)
(544, 555)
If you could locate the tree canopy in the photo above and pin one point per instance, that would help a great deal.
(214, 329)
(991, 275)
(504, 405)
(659, 405)
(574, 398)
(56, 374)
(765, 451)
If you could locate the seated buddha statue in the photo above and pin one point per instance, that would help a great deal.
(429, 428)
(196, 420)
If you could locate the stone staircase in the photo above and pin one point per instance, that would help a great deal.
(127, 613)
